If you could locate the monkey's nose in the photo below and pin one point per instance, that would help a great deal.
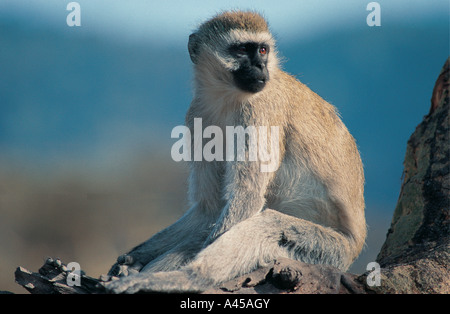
(259, 65)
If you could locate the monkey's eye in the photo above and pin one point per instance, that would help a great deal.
(242, 49)
(263, 50)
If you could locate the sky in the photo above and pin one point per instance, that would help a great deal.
(172, 21)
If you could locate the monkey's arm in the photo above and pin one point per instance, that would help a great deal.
(244, 191)
(246, 181)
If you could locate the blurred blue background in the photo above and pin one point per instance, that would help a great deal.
(86, 112)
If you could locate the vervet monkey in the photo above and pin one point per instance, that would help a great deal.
(310, 209)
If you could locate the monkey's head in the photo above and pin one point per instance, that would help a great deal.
(233, 50)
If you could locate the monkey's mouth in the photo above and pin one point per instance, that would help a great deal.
(251, 79)
(256, 86)
(251, 84)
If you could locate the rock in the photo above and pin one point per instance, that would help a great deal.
(419, 236)
(421, 219)
(429, 274)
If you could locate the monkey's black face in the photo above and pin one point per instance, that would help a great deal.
(252, 74)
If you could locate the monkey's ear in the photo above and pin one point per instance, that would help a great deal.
(193, 47)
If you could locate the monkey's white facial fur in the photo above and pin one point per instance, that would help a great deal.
(237, 37)
(240, 37)
(238, 61)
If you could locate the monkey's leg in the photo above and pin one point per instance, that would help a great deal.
(250, 244)
(266, 236)
(175, 245)
(180, 255)
(165, 243)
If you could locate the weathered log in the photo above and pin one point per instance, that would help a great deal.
(52, 279)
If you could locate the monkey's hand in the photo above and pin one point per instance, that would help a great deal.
(126, 265)
(239, 208)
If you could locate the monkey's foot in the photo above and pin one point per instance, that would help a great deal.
(126, 265)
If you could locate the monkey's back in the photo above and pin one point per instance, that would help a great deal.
(321, 165)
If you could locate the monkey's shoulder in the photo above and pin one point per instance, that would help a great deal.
(301, 99)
